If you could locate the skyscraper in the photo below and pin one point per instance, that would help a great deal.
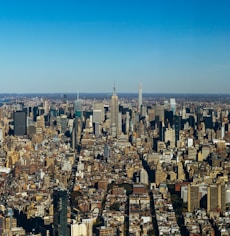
(78, 118)
(78, 107)
(178, 127)
(46, 107)
(73, 135)
(114, 110)
(20, 128)
(159, 113)
(127, 122)
(60, 212)
(100, 107)
(139, 97)
(76, 133)
(173, 105)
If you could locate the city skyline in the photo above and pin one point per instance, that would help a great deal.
(65, 47)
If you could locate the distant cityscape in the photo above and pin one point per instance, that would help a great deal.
(117, 164)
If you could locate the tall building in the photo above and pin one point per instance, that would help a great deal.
(162, 130)
(2, 219)
(106, 151)
(173, 105)
(160, 174)
(169, 118)
(1, 134)
(76, 133)
(170, 137)
(127, 121)
(144, 179)
(143, 111)
(139, 97)
(97, 116)
(216, 197)
(114, 110)
(78, 118)
(84, 228)
(208, 122)
(78, 229)
(178, 127)
(193, 197)
(89, 226)
(63, 123)
(46, 107)
(159, 113)
(227, 194)
(20, 121)
(73, 136)
(78, 107)
(60, 212)
(151, 115)
(180, 172)
(119, 126)
(100, 107)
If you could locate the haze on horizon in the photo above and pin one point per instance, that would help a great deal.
(69, 46)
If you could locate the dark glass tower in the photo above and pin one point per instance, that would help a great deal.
(60, 212)
(178, 127)
(20, 128)
(169, 117)
(162, 131)
(35, 113)
(208, 122)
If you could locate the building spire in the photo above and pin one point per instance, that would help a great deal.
(114, 89)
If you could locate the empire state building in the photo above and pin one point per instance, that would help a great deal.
(114, 111)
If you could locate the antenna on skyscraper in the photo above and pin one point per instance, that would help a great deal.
(77, 95)
(114, 88)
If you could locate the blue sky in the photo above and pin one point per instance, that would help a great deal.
(69, 46)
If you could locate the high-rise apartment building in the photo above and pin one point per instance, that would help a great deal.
(193, 197)
(60, 212)
(216, 197)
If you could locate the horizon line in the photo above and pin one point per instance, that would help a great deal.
(145, 93)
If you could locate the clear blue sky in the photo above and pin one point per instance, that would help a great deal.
(69, 46)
